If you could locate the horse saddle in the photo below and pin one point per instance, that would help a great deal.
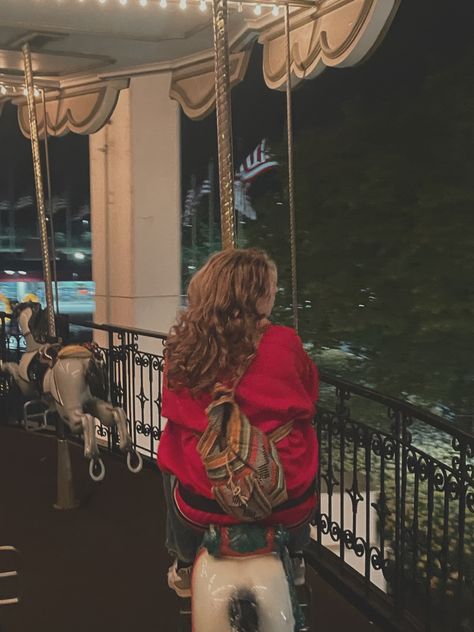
(74, 351)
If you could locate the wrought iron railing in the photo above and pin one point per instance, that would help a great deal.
(395, 529)
(397, 503)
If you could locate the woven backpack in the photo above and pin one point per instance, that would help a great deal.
(241, 461)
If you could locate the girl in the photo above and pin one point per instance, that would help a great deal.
(225, 329)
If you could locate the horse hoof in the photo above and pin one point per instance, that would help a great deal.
(96, 470)
(136, 456)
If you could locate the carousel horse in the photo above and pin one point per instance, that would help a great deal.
(243, 576)
(73, 381)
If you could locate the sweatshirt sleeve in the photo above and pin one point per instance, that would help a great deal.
(307, 370)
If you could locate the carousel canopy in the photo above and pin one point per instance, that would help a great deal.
(85, 51)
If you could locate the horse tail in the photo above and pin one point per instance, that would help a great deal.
(243, 612)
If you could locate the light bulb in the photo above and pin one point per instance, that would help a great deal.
(275, 10)
(258, 10)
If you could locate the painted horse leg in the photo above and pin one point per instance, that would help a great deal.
(109, 416)
(78, 421)
(126, 442)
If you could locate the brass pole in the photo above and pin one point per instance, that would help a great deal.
(224, 123)
(43, 227)
(291, 186)
(50, 200)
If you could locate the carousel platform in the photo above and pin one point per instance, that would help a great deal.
(101, 567)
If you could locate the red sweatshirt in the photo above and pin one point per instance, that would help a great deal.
(280, 385)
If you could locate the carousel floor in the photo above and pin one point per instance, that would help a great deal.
(100, 568)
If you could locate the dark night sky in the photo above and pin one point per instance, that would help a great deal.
(422, 34)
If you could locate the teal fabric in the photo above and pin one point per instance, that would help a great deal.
(246, 539)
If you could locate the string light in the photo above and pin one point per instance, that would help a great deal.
(36, 92)
(258, 8)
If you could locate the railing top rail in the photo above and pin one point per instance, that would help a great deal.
(117, 329)
(398, 404)
(391, 402)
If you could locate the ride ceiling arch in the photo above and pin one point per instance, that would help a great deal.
(338, 33)
(81, 110)
(335, 33)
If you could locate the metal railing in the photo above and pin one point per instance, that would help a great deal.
(395, 530)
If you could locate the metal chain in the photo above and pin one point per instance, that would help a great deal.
(43, 227)
(224, 123)
(291, 188)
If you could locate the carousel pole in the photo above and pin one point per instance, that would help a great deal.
(43, 226)
(291, 187)
(65, 491)
(224, 122)
(50, 199)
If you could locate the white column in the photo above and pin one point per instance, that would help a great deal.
(136, 208)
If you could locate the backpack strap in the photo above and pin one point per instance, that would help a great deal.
(281, 432)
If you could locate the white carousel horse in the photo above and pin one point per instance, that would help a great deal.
(253, 592)
(66, 388)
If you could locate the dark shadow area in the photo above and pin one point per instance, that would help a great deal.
(103, 566)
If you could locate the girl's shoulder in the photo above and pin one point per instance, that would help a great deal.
(282, 336)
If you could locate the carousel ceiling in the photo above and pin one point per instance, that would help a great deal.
(85, 51)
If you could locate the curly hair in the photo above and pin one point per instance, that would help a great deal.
(219, 331)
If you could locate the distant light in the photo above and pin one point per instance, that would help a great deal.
(182, 4)
(163, 4)
(143, 3)
(123, 2)
(240, 7)
(102, 1)
(202, 5)
(85, 221)
(361, 305)
(3, 89)
(79, 255)
(9, 271)
(22, 272)
(275, 10)
(258, 10)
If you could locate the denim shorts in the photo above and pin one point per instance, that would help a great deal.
(183, 542)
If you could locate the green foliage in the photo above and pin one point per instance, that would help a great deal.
(384, 237)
